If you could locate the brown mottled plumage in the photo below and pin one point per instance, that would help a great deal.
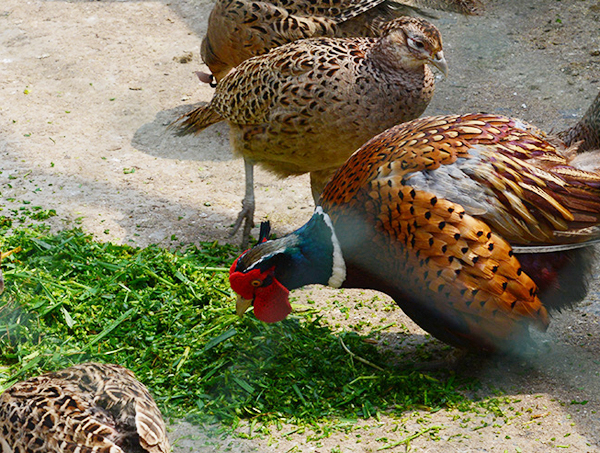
(241, 29)
(586, 133)
(476, 225)
(92, 407)
(306, 106)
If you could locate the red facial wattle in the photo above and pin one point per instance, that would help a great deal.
(271, 301)
(240, 282)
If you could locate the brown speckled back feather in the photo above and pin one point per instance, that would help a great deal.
(92, 407)
(586, 133)
(240, 29)
(285, 106)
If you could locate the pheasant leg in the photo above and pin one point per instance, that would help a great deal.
(246, 215)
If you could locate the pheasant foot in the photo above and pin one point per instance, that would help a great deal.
(246, 216)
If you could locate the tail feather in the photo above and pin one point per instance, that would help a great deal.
(196, 121)
(562, 277)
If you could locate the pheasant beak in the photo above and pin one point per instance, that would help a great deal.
(242, 305)
(440, 62)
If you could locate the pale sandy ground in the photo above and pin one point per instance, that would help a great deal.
(87, 88)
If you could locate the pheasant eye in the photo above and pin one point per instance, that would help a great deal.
(415, 44)
(256, 282)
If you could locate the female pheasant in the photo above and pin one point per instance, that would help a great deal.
(284, 107)
(476, 225)
(586, 133)
(241, 29)
(90, 407)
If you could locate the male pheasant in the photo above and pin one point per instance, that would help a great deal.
(306, 106)
(240, 29)
(476, 225)
(90, 407)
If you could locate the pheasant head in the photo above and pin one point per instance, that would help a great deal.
(263, 275)
(411, 42)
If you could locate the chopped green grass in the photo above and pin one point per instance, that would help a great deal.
(169, 317)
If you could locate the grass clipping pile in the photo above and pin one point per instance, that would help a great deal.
(168, 316)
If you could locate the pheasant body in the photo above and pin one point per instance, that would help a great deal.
(468, 222)
(286, 135)
(284, 107)
(90, 407)
(241, 29)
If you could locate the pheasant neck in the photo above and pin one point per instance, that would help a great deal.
(311, 254)
(338, 268)
(318, 247)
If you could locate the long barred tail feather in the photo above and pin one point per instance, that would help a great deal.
(196, 121)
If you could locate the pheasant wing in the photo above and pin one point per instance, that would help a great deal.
(282, 81)
(500, 170)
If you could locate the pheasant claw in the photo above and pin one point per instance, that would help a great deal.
(246, 216)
